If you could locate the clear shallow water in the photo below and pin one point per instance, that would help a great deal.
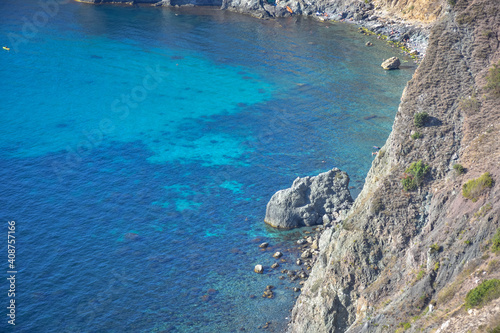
(139, 149)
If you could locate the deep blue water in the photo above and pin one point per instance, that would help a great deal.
(139, 148)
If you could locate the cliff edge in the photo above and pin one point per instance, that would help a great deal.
(421, 234)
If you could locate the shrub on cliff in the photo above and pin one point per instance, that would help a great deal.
(474, 188)
(420, 119)
(495, 242)
(493, 79)
(414, 175)
(459, 169)
(482, 294)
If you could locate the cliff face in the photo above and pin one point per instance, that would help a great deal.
(399, 252)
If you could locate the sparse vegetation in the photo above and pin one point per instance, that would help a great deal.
(469, 104)
(459, 169)
(482, 294)
(493, 266)
(495, 242)
(493, 80)
(483, 210)
(452, 2)
(420, 119)
(420, 275)
(474, 188)
(414, 175)
(416, 135)
(488, 33)
(435, 248)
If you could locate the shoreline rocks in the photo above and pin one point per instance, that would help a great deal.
(309, 199)
(391, 63)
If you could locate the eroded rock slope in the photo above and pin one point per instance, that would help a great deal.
(404, 260)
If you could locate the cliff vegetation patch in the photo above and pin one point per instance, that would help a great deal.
(474, 188)
(420, 119)
(495, 246)
(414, 175)
(470, 104)
(459, 169)
(493, 80)
(482, 294)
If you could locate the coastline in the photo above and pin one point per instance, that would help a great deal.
(410, 36)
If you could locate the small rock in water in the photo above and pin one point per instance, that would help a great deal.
(258, 269)
(301, 241)
(369, 44)
(305, 254)
(131, 236)
(278, 254)
(275, 265)
(296, 289)
(391, 63)
(264, 245)
(298, 262)
(268, 293)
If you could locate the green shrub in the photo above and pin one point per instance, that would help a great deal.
(474, 188)
(495, 330)
(416, 135)
(482, 294)
(495, 242)
(493, 80)
(420, 275)
(414, 175)
(435, 248)
(459, 169)
(420, 119)
(452, 2)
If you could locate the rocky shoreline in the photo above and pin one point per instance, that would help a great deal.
(292, 265)
(412, 37)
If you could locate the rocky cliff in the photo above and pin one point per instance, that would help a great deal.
(419, 236)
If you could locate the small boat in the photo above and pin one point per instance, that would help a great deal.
(6, 48)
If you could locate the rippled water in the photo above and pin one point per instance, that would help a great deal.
(140, 146)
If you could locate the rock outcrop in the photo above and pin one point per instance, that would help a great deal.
(309, 199)
(400, 254)
(391, 63)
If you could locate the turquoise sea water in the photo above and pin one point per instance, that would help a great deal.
(139, 148)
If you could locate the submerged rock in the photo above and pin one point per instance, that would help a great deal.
(309, 199)
(391, 63)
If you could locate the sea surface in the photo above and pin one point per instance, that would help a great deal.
(139, 147)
